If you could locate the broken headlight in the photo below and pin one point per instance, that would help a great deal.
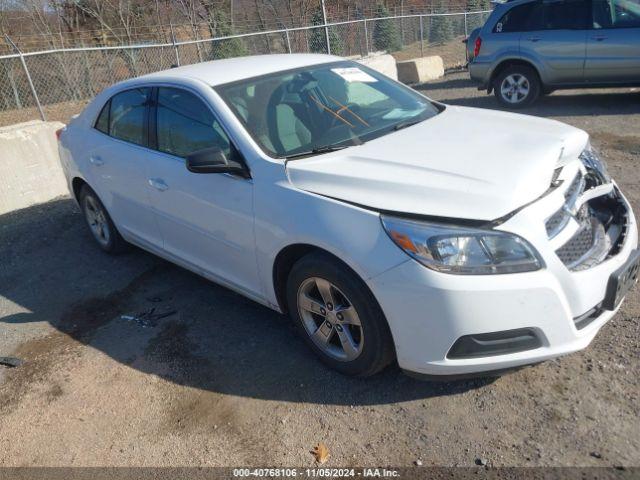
(595, 165)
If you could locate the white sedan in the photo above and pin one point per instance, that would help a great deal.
(388, 226)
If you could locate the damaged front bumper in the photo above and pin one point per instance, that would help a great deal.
(446, 324)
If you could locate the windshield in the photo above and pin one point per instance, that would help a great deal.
(322, 107)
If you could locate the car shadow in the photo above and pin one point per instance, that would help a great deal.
(164, 321)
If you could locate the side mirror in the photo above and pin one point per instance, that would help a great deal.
(213, 160)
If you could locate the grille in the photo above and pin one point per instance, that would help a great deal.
(556, 222)
(576, 248)
(601, 233)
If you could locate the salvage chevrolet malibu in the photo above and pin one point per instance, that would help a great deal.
(453, 240)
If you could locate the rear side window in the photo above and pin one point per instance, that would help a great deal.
(186, 125)
(518, 19)
(102, 123)
(127, 115)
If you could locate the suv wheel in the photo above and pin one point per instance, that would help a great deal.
(517, 86)
(99, 222)
(338, 317)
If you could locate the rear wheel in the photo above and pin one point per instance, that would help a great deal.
(517, 86)
(338, 316)
(99, 222)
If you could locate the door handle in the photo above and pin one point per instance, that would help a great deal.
(97, 161)
(158, 184)
(534, 39)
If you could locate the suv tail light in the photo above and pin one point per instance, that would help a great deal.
(59, 132)
(478, 45)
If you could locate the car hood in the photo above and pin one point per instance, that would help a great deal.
(464, 163)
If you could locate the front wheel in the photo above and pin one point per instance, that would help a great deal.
(517, 86)
(338, 317)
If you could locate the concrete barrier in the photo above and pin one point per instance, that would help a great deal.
(382, 63)
(420, 70)
(30, 168)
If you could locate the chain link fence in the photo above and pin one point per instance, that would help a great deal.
(56, 84)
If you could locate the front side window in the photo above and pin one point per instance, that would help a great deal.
(565, 15)
(127, 115)
(332, 105)
(185, 125)
(616, 14)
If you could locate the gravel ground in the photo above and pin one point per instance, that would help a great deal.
(225, 382)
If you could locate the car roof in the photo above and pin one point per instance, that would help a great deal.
(228, 70)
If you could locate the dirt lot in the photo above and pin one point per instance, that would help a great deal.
(224, 381)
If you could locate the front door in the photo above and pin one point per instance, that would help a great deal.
(613, 46)
(206, 220)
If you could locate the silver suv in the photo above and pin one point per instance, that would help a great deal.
(527, 48)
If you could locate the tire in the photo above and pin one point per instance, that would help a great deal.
(100, 224)
(332, 329)
(517, 86)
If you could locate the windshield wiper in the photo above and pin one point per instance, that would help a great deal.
(318, 150)
(401, 125)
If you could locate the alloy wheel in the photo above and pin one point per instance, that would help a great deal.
(97, 220)
(515, 88)
(330, 319)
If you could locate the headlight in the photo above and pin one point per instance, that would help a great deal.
(460, 250)
(594, 164)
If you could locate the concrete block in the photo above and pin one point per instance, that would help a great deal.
(382, 63)
(420, 70)
(30, 165)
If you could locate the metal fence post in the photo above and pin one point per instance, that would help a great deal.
(175, 47)
(366, 37)
(465, 24)
(421, 37)
(288, 41)
(26, 71)
(326, 28)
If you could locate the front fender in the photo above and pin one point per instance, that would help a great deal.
(285, 215)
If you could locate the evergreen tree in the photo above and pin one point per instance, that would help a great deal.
(441, 26)
(318, 38)
(232, 47)
(385, 32)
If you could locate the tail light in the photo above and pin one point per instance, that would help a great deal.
(59, 133)
(478, 45)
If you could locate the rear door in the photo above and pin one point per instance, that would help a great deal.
(118, 160)
(613, 46)
(504, 39)
(557, 39)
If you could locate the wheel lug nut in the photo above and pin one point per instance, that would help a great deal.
(328, 324)
(340, 317)
(338, 328)
(323, 311)
(330, 306)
